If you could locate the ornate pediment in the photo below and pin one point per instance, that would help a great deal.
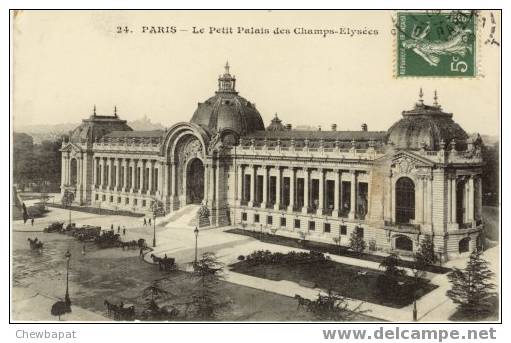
(405, 162)
(71, 148)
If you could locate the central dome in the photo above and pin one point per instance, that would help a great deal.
(228, 110)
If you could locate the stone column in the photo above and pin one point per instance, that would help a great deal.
(173, 179)
(335, 212)
(101, 175)
(150, 177)
(109, 174)
(429, 202)
(470, 199)
(133, 165)
(277, 189)
(321, 196)
(125, 165)
(419, 211)
(95, 172)
(207, 175)
(392, 197)
(291, 190)
(239, 195)
(453, 200)
(305, 207)
(353, 194)
(265, 187)
(140, 178)
(252, 185)
(117, 175)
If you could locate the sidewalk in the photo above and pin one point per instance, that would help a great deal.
(30, 305)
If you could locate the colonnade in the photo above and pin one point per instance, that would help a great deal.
(129, 175)
(302, 189)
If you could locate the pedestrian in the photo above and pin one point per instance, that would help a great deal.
(149, 221)
(145, 222)
(119, 229)
(32, 220)
(112, 227)
(83, 249)
(141, 252)
(124, 232)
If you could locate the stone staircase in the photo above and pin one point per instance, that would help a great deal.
(185, 217)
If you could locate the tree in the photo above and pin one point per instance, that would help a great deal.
(472, 287)
(426, 254)
(67, 201)
(152, 293)
(60, 308)
(357, 243)
(206, 301)
(332, 306)
(388, 283)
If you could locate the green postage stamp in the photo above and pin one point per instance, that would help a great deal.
(436, 44)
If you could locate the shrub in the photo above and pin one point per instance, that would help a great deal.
(241, 258)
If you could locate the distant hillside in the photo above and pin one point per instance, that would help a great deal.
(145, 124)
(51, 132)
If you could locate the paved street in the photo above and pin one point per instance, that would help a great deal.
(116, 274)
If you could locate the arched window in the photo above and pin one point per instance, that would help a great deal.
(73, 170)
(405, 200)
(195, 182)
(464, 244)
(404, 243)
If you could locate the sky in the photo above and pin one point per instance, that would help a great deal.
(66, 62)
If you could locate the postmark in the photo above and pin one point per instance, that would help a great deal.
(436, 44)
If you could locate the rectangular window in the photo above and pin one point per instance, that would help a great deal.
(256, 218)
(312, 225)
(135, 202)
(97, 196)
(297, 223)
(127, 201)
(344, 230)
(103, 197)
(327, 227)
(244, 216)
(269, 220)
(111, 198)
(283, 221)
(118, 200)
(143, 203)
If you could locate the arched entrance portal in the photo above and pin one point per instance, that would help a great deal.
(405, 200)
(195, 182)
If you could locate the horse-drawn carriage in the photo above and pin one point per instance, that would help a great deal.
(86, 232)
(121, 311)
(35, 244)
(165, 263)
(54, 227)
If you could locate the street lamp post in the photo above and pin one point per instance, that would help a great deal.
(154, 230)
(67, 299)
(196, 231)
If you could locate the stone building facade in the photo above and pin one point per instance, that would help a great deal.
(421, 177)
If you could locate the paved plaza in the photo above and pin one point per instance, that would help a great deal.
(175, 238)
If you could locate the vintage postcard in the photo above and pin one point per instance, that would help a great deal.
(260, 166)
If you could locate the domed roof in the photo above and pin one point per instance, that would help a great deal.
(92, 129)
(276, 125)
(228, 110)
(425, 126)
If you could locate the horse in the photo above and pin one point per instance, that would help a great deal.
(165, 263)
(35, 244)
(110, 307)
(302, 302)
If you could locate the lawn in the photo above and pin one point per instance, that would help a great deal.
(350, 281)
(328, 248)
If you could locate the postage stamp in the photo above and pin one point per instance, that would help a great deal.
(436, 44)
